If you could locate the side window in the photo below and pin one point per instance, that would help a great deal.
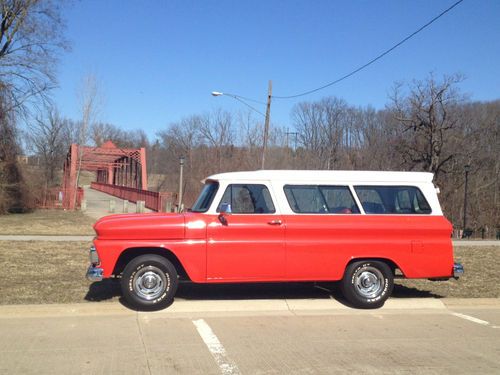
(248, 199)
(392, 200)
(370, 199)
(339, 200)
(312, 199)
(305, 199)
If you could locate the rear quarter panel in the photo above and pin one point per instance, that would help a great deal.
(320, 246)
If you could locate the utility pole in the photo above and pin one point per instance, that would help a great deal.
(466, 169)
(181, 183)
(266, 124)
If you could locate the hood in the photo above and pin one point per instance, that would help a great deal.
(155, 226)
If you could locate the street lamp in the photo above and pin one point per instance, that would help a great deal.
(181, 163)
(466, 169)
(266, 116)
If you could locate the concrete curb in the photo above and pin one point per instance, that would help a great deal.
(475, 243)
(280, 306)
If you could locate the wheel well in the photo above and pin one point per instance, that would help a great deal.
(128, 254)
(393, 266)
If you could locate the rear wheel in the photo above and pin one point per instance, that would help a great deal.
(149, 282)
(367, 284)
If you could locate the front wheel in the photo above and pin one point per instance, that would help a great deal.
(149, 282)
(367, 284)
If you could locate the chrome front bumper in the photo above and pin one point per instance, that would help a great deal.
(94, 273)
(458, 270)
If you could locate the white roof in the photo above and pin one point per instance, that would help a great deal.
(315, 176)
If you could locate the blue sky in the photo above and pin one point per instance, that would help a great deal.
(158, 61)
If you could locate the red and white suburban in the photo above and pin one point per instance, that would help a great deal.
(359, 228)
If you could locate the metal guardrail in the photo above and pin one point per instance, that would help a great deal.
(156, 201)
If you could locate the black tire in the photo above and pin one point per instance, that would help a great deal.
(367, 284)
(149, 282)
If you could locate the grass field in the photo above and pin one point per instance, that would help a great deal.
(47, 222)
(53, 272)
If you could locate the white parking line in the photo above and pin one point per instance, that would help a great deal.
(227, 366)
(471, 319)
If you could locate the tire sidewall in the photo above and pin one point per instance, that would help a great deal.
(351, 293)
(138, 264)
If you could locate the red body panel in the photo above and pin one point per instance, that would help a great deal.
(281, 248)
(246, 247)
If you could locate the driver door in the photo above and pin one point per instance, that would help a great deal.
(249, 242)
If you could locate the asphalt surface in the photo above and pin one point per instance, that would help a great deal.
(420, 336)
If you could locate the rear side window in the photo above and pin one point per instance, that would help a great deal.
(392, 200)
(248, 199)
(314, 199)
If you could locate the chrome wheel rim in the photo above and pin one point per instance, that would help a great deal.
(149, 283)
(369, 282)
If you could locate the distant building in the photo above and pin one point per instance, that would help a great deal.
(22, 159)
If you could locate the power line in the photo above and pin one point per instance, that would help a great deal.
(374, 59)
(250, 100)
(238, 98)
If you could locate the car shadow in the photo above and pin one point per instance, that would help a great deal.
(103, 290)
(401, 291)
(108, 289)
(193, 291)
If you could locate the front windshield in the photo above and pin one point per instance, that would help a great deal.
(206, 197)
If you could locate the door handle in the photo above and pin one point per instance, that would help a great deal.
(274, 222)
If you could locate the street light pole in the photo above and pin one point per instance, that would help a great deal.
(266, 116)
(467, 169)
(181, 163)
(266, 123)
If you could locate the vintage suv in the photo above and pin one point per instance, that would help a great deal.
(362, 228)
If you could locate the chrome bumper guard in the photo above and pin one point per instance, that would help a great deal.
(458, 270)
(94, 273)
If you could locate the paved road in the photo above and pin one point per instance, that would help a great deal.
(98, 204)
(252, 337)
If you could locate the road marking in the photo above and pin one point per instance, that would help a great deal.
(471, 319)
(227, 366)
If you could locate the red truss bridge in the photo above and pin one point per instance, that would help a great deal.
(120, 172)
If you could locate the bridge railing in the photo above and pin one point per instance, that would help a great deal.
(57, 198)
(156, 201)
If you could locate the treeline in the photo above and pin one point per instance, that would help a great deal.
(427, 125)
(31, 39)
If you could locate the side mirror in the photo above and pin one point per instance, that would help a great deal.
(225, 209)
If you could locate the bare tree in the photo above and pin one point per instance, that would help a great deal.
(216, 128)
(322, 128)
(251, 134)
(49, 138)
(14, 193)
(31, 38)
(90, 100)
(426, 119)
